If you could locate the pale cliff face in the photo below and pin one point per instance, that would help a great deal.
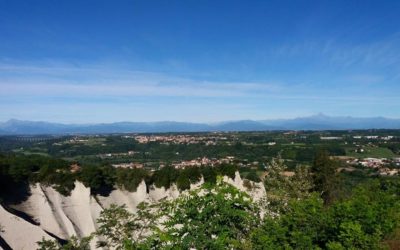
(77, 214)
(18, 233)
(257, 192)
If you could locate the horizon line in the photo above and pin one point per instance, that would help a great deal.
(320, 114)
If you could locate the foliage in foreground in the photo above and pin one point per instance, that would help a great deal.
(73, 244)
(211, 218)
(303, 211)
(221, 217)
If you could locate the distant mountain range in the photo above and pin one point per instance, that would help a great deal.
(315, 122)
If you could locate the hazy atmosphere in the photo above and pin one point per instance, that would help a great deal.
(164, 125)
(197, 61)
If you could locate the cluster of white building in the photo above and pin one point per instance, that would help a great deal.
(178, 139)
(380, 164)
(109, 155)
(203, 162)
(130, 165)
(374, 137)
(331, 138)
(373, 162)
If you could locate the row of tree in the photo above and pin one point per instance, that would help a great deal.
(18, 171)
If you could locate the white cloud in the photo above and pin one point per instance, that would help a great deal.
(98, 81)
(381, 53)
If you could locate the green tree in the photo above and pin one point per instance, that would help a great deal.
(120, 228)
(300, 226)
(253, 176)
(130, 179)
(165, 177)
(362, 221)
(227, 170)
(301, 183)
(325, 176)
(209, 174)
(281, 189)
(99, 179)
(217, 218)
(352, 236)
(183, 181)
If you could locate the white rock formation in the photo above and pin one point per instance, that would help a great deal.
(18, 233)
(77, 214)
(123, 197)
(257, 192)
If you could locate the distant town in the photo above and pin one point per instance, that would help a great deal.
(374, 151)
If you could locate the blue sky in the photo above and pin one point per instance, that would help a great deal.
(200, 61)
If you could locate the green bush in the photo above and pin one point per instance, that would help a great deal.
(165, 177)
(253, 176)
(209, 174)
(100, 180)
(130, 179)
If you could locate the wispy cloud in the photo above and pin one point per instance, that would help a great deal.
(82, 93)
(99, 81)
(383, 53)
(94, 82)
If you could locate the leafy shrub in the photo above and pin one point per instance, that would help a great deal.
(253, 176)
(165, 177)
(209, 174)
(100, 179)
(130, 179)
(227, 170)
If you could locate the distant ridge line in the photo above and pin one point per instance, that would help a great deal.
(315, 122)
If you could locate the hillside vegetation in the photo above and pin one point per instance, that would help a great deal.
(316, 207)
